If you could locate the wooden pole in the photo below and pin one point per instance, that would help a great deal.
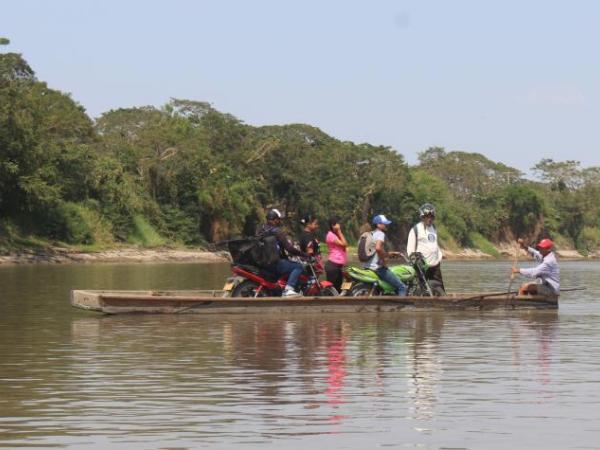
(514, 266)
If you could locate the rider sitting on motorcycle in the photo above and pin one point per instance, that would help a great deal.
(284, 265)
(377, 262)
(308, 240)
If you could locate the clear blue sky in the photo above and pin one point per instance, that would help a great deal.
(515, 80)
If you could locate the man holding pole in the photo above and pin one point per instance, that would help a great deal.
(546, 273)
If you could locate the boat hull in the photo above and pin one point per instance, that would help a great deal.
(213, 302)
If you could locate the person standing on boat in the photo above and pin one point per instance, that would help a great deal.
(338, 255)
(377, 262)
(284, 265)
(423, 239)
(546, 273)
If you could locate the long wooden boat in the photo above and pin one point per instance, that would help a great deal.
(214, 302)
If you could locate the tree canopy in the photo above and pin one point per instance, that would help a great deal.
(187, 173)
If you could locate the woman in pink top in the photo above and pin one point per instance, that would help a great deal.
(336, 243)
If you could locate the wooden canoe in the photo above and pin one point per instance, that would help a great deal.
(214, 302)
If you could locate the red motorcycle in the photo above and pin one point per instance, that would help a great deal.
(252, 281)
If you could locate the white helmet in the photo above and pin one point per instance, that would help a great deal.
(426, 209)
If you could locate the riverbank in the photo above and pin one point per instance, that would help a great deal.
(60, 255)
(507, 251)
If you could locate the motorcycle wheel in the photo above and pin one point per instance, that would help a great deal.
(363, 290)
(329, 291)
(437, 289)
(248, 288)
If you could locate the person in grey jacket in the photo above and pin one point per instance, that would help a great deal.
(546, 273)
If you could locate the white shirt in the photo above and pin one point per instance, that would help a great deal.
(373, 263)
(546, 271)
(427, 244)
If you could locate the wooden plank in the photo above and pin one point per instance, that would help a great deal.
(200, 301)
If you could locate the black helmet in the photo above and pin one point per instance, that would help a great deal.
(426, 209)
(274, 214)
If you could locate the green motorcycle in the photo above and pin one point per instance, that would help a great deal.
(362, 282)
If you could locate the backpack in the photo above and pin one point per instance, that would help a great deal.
(265, 252)
(366, 246)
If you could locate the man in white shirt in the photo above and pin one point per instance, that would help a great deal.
(546, 273)
(422, 238)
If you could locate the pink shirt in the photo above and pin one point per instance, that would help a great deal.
(337, 253)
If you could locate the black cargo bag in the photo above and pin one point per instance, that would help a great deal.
(241, 250)
(261, 251)
(266, 251)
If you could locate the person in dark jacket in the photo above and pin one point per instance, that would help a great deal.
(286, 247)
(309, 242)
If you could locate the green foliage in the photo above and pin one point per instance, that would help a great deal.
(446, 239)
(480, 242)
(524, 209)
(590, 239)
(144, 234)
(560, 175)
(187, 173)
(76, 223)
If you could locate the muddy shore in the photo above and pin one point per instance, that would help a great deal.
(121, 255)
(57, 255)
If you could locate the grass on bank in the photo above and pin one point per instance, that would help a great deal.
(446, 239)
(480, 242)
(144, 234)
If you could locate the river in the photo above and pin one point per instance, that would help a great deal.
(80, 380)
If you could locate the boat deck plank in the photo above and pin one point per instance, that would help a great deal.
(213, 302)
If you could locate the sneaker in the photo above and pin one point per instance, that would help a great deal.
(289, 292)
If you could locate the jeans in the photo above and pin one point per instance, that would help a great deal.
(293, 268)
(387, 275)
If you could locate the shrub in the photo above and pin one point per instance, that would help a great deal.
(446, 239)
(590, 239)
(480, 242)
(69, 222)
(144, 234)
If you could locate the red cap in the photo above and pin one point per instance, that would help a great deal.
(545, 244)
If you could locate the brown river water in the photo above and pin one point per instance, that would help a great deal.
(495, 380)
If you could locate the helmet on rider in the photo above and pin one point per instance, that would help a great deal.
(274, 214)
(380, 218)
(545, 244)
(427, 209)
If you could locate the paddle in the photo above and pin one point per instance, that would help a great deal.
(515, 262)
(497, 294)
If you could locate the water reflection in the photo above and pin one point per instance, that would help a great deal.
(424, 362)
(430, 380)
(328, 367)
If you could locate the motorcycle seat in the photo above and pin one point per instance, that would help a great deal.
(265, 273)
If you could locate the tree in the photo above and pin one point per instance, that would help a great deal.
(467, 174)
(559, 174)
(525, 211)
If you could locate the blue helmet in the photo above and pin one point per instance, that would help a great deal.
(380, 218)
